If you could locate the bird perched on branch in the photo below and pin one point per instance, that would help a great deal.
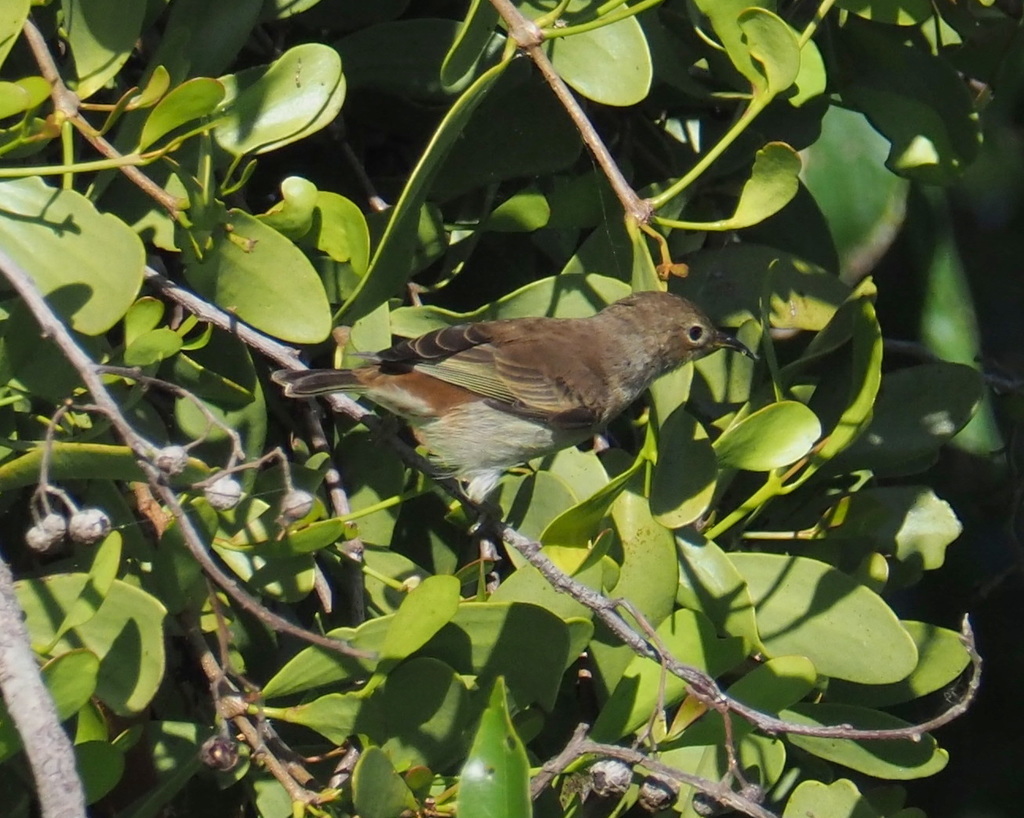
(486, 396)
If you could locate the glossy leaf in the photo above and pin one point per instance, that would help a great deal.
(710, 583)
(269, 107)
(12, 19)
(495, 778)
(942, 657)
(191, 100)
(776, 435)
(807, 608)
(840, 799)
(645, 685)
(685, 474)
(126, 633)
(101, 34)
(377, 790)
(895, 12)
(772, 51)
(256, 273)
(428, 608)
(101, 765)
(917, 411)
(42, 227)
(901, 760)
(610, 64)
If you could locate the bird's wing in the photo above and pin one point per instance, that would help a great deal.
(502, 362)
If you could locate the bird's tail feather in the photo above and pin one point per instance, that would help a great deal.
(311, 382)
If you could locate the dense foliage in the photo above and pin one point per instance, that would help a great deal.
(390, 168)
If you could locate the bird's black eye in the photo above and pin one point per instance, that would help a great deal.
(696, 333)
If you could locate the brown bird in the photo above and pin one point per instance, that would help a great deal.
(483, 397)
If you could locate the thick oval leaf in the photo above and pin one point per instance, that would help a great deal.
(901, 13)
(777, 435)
(377, 790)
(495, 778)
(914, 98)
(470, 45)
(101, 765)
(293, 215)
(685, 474)
(610, 64)
(256, 273)
(102, 35)
(807, 608)
(773, 49)
(728, 282)
(42, 227)
(269, 107)
(917, 411)
(710, 583)
(840, 798)
(899, 760)
(644, 686)
(189, 101)
(126, 633)
(12, 20)
(942, 657)
(429, 607)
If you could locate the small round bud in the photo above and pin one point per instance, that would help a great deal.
(704, 805)
(46, 534)
(296, 505)
(223, 493)
(411, 582)
(219, 752)
(171, 459)
(655, 795)
(88, 526)
(610, 777)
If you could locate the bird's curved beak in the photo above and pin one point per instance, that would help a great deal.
(724, 339)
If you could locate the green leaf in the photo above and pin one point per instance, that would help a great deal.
(428, 608)
(807, 608)
(568, 295)
(495, 778)
(256, 273)
(191, 100)
(915, 99)
(152, 347)
(685, 474)
(102, 36)
(840, 799)
(524, 212)
(101, 765)
(647, 577)
(812, 79)
(102, 574)
(80, 461)
(709, 583)
(899, 760)
(12, 19)
(470, 45)
(42, 227)
(293, 215)
(917, 411)
(578, 525)
(728, 283)
(126, 633)
(645, 685)
(894, 12)
(942, 657)
(610, 64)
(907, 522)
(388, 267)
(774, 436)
(427, 712)
(71, 680)
(377, 790)
(339, 230)
(864, 202)
(268, 107)
(773, 50)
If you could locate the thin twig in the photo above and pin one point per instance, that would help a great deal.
(529, 38)
(66, 104)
